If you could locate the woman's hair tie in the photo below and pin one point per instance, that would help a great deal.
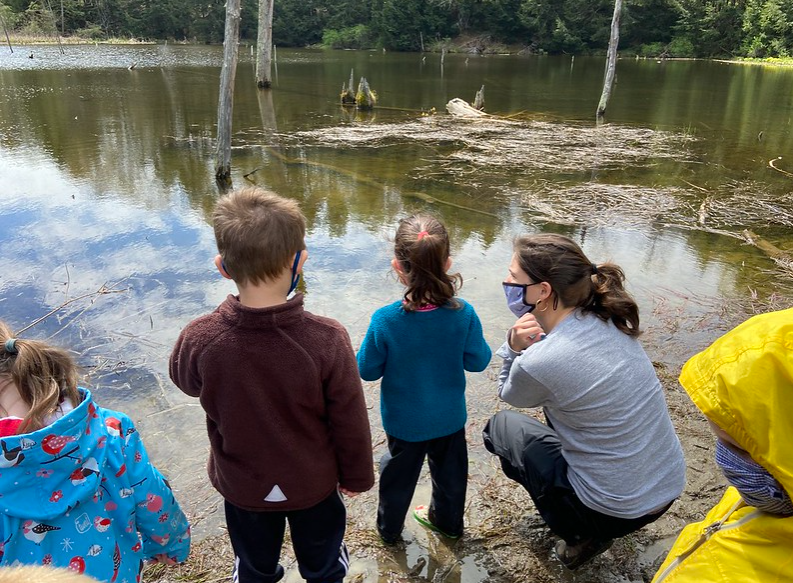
(594, 269)
(11, 346)
(421, 235)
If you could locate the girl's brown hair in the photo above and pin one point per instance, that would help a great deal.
(422, 248)
(576, 281)
(43, 374)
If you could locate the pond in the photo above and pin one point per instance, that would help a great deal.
(106, 188)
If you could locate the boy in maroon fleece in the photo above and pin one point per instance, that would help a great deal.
(285, 411)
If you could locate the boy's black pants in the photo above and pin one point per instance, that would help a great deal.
(531, 454)
(317, 538)
(400, 468)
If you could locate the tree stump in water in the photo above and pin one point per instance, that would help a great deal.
(347, 91)
(365, 98)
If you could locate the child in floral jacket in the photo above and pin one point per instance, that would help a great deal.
(77, 487)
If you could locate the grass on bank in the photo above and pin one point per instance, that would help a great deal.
(24, 39)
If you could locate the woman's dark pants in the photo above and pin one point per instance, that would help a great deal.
(531, 454)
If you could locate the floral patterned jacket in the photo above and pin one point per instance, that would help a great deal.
(81, 493)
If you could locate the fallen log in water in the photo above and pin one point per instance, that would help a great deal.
(768, 248)
(461, 108)
(782, 259)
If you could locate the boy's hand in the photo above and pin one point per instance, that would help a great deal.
(347, 492)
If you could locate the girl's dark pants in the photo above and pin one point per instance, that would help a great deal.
(531, 454)
(400, 467)
(317, 538)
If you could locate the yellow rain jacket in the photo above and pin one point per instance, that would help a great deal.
(743, 383)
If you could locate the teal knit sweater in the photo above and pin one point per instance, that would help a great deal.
(422, 358)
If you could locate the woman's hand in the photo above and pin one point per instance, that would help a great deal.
(525, 332)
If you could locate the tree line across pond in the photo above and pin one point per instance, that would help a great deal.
(653, 28)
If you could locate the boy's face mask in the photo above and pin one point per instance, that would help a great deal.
(516, 298)
(757, 487)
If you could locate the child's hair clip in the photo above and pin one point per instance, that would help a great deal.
(11, 346)
(422, 235)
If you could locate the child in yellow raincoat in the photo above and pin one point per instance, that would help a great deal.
(743, 383)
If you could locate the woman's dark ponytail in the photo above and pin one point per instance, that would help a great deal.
(610, 301)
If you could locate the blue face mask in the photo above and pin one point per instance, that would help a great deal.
(756, 485)
(516, 298)
(295, 274)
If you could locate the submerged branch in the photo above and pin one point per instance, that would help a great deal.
(771, 164)
(103, 290)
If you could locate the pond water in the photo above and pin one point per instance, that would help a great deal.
(106, 187)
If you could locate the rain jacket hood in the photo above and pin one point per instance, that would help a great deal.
(743, 383)
(67, 452)
(81, 493)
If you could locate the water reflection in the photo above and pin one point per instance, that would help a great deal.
(106, 178)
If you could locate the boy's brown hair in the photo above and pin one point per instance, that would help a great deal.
(258, 233)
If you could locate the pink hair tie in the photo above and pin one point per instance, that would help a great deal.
(422, 235)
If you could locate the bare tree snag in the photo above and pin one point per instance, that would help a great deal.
(479, 100)
(264, 44)
(5, 30)
(611, 60)
(226, 99)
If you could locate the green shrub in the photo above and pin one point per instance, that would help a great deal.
(681, 47)
(354, 37)
(652, 50)
(91, 32)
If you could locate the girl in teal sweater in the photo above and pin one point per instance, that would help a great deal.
(421, 347)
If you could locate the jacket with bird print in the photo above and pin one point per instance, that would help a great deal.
(81, 493)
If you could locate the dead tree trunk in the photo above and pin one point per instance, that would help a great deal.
(479, 99)
(226, 99)
(5, 30)
(611, 60)
(264, 44)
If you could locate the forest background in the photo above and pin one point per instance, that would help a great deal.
(652, 28)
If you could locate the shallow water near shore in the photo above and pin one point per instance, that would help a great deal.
(106, 188)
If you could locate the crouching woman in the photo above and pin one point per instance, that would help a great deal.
(608, 460)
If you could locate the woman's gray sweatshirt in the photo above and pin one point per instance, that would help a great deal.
(601, 395)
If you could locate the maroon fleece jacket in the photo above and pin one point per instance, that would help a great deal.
(285, 410)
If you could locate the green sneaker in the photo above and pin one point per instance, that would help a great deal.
(421, 514)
